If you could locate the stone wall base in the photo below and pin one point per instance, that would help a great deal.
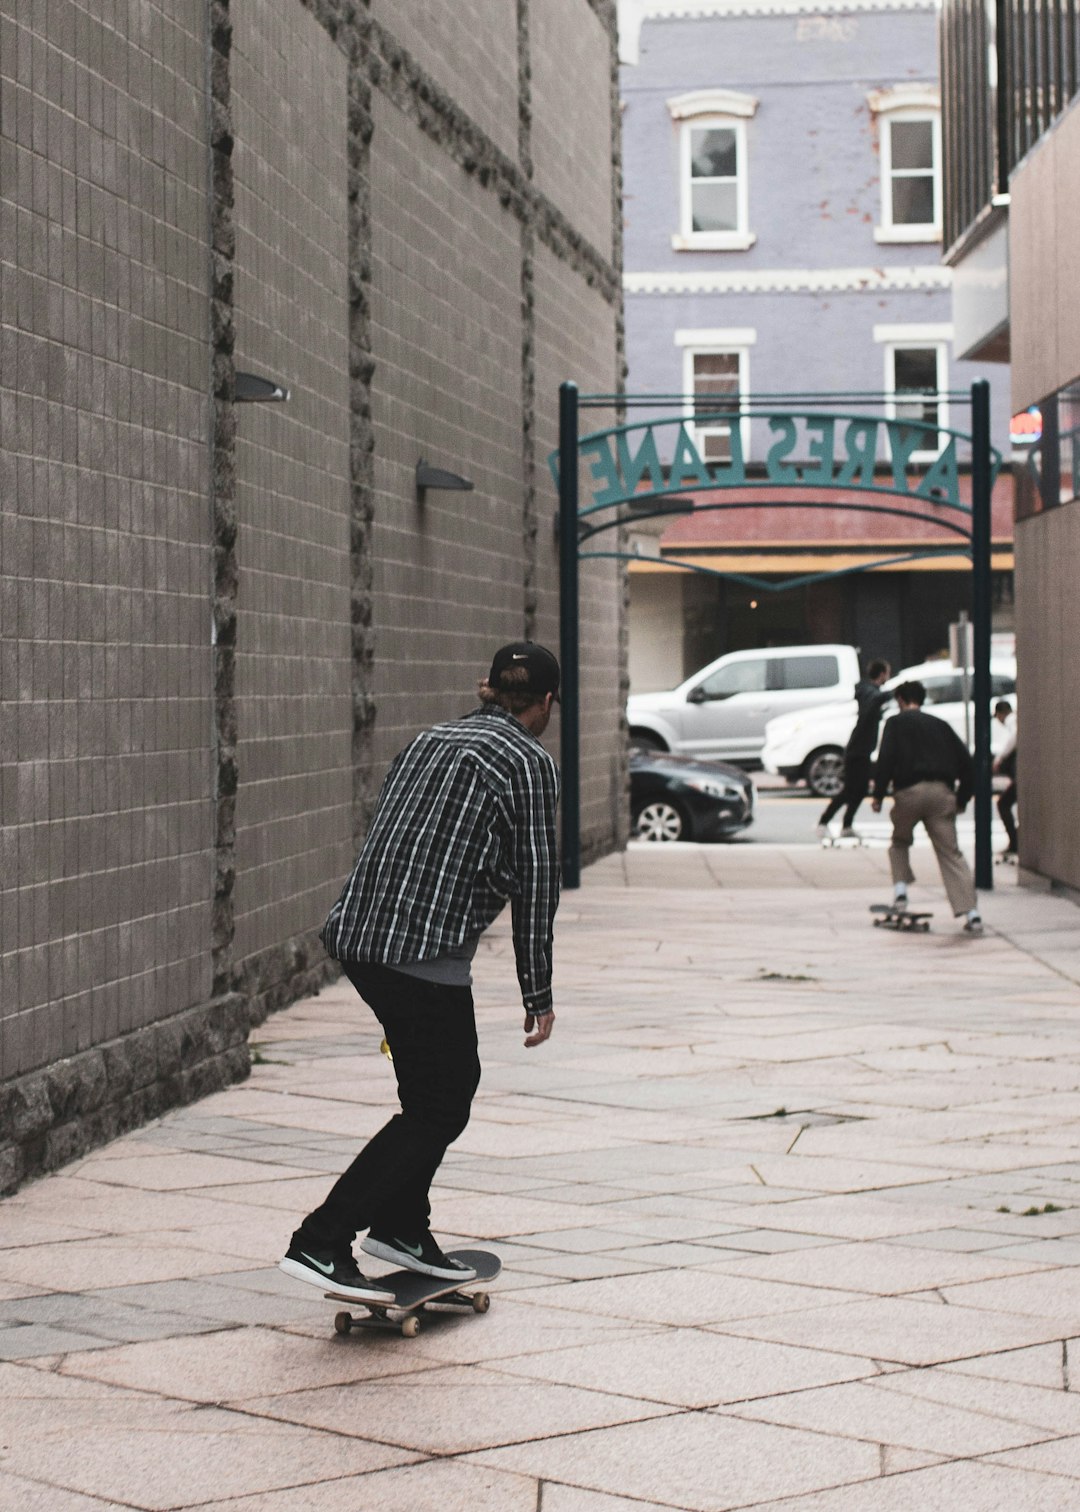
(57, 1114)
(274, 978)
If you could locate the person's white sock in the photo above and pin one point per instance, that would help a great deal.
(899, 892)
(973, 915)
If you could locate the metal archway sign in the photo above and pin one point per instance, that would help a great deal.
(842, 450)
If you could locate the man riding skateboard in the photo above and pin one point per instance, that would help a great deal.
(859, 751)
(932, 777)
(465, 821)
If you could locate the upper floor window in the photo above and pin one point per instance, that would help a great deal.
(716, 375)
(917, 381)
(713, 182)
(910, 134)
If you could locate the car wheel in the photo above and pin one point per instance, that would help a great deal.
(660, 820)
(825, 772)
(645, 740)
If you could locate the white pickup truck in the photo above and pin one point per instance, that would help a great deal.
(722, 710)
(809, 746)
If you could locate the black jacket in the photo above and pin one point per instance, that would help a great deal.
(871, 701)
(918, 747)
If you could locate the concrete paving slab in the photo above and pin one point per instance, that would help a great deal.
(690, 1368)
(692, 1298)
(699, 1462)
(1059, 1457)
(37, 1496)
(907, 1330)
(160, 1455)
(874, 1413)
(883, 1271)
(433, 1486)
(233, 1365)
(973, 1487)
(453, 1410)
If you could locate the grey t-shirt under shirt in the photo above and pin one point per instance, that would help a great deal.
(452, 969)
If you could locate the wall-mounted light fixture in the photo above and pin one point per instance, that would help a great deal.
(251, 389)
(437, 477)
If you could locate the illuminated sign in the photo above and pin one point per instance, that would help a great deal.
(1026, 428)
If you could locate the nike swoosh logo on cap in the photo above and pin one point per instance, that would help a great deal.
(327, 1270)
(519, 656)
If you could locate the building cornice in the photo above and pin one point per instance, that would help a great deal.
(711, 102)
(633, 12)
(791, 281)
(694, 10)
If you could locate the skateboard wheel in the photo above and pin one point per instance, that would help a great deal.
(410, 1327)
(481, 1302)
(342, 1322)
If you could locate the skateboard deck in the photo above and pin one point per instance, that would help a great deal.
(901, 919)
(414, 1292)
(842, 842)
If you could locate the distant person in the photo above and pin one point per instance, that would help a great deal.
(859, 750)
(932, 777)
(1005, 766)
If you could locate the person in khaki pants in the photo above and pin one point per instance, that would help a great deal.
(932, 777)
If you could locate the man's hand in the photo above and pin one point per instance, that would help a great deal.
(876, 805)
(538, 1027)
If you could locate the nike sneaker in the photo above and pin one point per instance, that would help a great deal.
(332, 1271)
(420, 1254)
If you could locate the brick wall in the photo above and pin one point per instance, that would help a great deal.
(572, 121)
(220, 621)
(106, 690)
(446, 346)
(470, 49)
(293, 698)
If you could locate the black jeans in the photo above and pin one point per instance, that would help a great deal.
(856, 786)
(431, 1031)
(1005, 805)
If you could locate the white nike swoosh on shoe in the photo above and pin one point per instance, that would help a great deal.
(415, 1250)
(327, 1270)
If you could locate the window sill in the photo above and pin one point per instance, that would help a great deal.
(714, 241)
(898, 234)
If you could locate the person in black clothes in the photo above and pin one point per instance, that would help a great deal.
(859, 750)
(1005, 766)
(932, 777)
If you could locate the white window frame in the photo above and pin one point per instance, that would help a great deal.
(914, 102)
(701, 110)
(898, 338)
(728, 342)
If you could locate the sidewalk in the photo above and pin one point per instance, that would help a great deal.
(788, 1208)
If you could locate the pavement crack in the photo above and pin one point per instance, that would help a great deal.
(758, 1174)
(1065, 1385)
(802, 1130)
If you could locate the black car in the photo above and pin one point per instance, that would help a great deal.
(680, 798)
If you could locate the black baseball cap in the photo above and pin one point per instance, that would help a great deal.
(538, 662)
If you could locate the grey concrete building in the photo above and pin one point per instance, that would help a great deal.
(219, 619)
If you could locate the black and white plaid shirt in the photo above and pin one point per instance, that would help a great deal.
(465, 821)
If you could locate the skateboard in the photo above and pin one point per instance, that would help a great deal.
(901, 919)
(842, 842)
(413, 1293)
(1006, 858)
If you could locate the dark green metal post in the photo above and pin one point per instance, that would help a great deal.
(569, 635)
(981, 488)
